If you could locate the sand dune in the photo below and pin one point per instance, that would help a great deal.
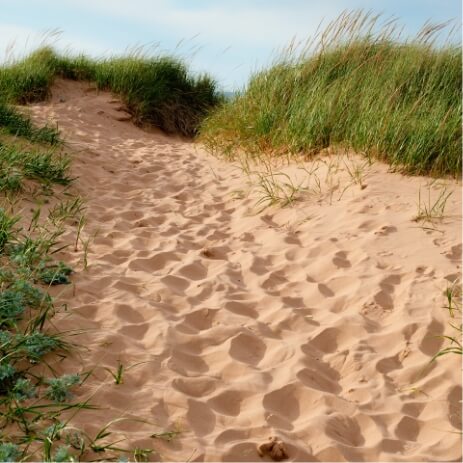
(314, 323)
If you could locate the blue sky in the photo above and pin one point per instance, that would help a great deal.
(230, 39)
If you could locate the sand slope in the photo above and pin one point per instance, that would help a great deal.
(314, 323)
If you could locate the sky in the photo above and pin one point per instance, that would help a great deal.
(229, 39)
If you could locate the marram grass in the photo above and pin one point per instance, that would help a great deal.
(358, 85)
(157, 90)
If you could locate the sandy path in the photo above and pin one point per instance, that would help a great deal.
(311, 323)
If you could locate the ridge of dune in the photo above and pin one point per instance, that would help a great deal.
(314, 323)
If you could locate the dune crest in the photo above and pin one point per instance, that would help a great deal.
(313, 323)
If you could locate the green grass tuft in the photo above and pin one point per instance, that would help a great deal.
(19, 125)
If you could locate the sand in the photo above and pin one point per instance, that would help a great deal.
(314, 323)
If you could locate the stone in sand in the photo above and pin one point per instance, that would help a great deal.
(274, 448)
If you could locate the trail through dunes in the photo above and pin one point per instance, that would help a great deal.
(314, 323)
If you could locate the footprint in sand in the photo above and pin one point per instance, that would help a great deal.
(247, 348)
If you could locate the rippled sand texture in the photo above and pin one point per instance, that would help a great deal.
(314, 323)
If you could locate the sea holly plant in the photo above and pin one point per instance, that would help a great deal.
(36, 344)
(59, 389)
(23, 389)
(9, 452)
(31, 295)
(17, 297)
(63, 453)
(11, 307)
(54, 274)
(7, 371)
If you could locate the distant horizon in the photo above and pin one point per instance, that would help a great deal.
(227, 40)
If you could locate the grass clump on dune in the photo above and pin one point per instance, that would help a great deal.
(15, 123)
(18, 165)
(22, 82)
(27, 80)
(356, 85)
(157, 90)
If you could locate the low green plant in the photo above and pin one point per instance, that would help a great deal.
(31, 253)
(140, 454)
(117, 374)
(7, 371)
(453, 294)
(30, 295)
(80, 227)
(45, 167)
(455, 346)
